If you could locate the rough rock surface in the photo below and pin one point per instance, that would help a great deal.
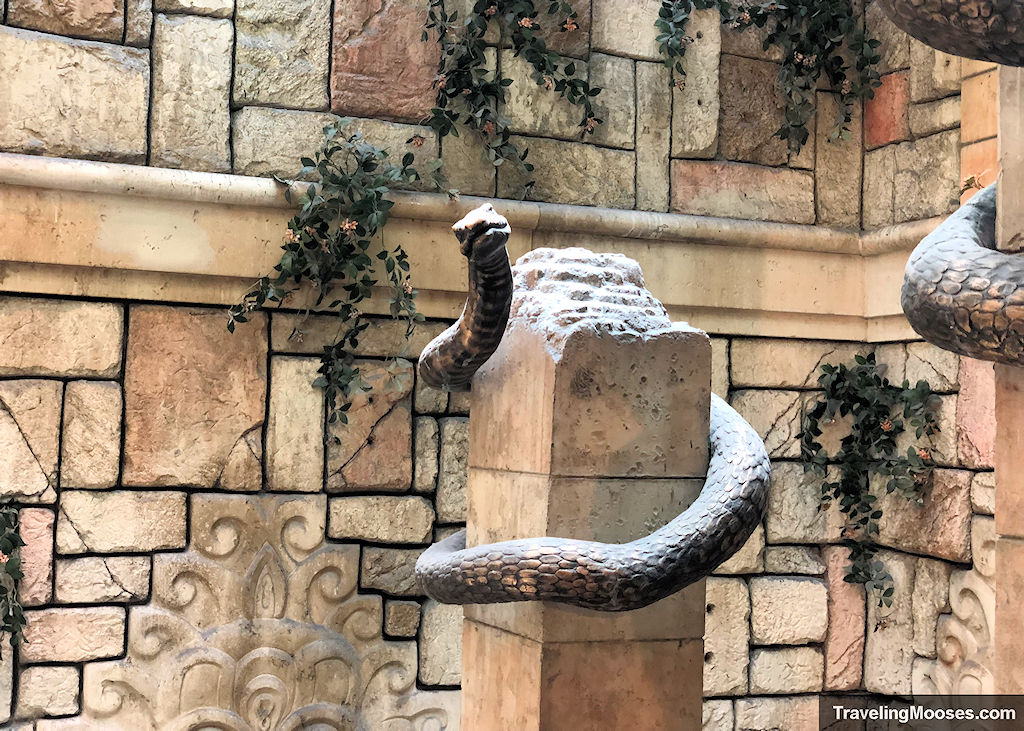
(91, 447)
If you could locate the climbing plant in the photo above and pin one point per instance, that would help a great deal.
(332, 247)
(12, 618)
(879, 412)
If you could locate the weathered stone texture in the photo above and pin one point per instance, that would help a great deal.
(295, 425)
(36, 528)
(211, 8)
(385, 337)
(441, 644)
(749, 42)
(940, 368)
(720, 367)
(97, 579)
(281, 53)
(451, 480)
(467, 165)
(726, 636)
(983, 493)
(799, 713)
(912, 180)
(747, 130)
(736, 190)
(786, 670)
(47, 691)
(976, 414)
(29, 437)
(191, 124)
(107, 522)
(889, 649)
(892, 359)
(100, 20)
(381, 519)
(390, 570)
(775, 415)
(105, 117)
(534, 110)
(191, 402)
(50, 337)
(427, 400)
(425, 454)
(844, 645)
(937, 116)
(372, 450)
(653, 136)
(788, 610)
(939, 526)
(930, 599)
(380, 68)
(794, 515)
(617, 102)
(879, 192)
(793, 560)
(695, 107)
(717, 716)
(401, 618)
(749, 559)
(887, 113)
(138, 22)
(794, 363)
(933, 74)
(839, 162)
(626, 29)
(91, 448)
(894, 48)
(573, 173)
(73, 634)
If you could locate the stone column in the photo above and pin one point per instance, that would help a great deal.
(591, 435)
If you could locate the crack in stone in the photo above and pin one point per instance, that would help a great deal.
(75, 528)
(366, 442)
(50, 479)
(114, 580)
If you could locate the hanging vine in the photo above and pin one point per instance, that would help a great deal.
(12, 618)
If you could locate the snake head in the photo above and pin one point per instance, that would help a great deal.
(482, 233)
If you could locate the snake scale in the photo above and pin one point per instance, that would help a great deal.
(603, 576)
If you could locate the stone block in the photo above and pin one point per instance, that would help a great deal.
(778, 363)
(91, 447)
(467, 166)
(928, 118)
(29, 439)
(940, 368)
(138, 23)
(192, 405)
(211, 8)
(653, 136)
(534, 110)
(1008, 632)
(401, 618)
(775, 415)
(749, 43)
(73, 634)
(930, 599)
(793, 560)
(892, 360)
(427, 400)
(794, 512)
(786, 670)
(983, 493)
(441, 644)
(390, 570)
(385, 338)
(50, 337)
(36, 528)
(1009, 451)
(295, 426)
(191, 125)
(425, 454)
(747, 131)
(879, 189)
(47, 690)
(726, 637)
(887, 114)
(380, 67)
(626, 30)
(720, 367)
(696, 106)
(933, 74)
(889, 648)
(281, 53)
(980, 107)
(717, 716)
(749, 559)
(120, 521)
(788, 610)
(894, 48)
(617, 102)
(844, 645)
(940, 526)
(99, 579)
(976, 414)
(105, 117)
(736, 190)
(799, 713)
(381, 519)
(839, 165)
(980, 159)
(572, 172)
(943, 445)
(459, 402)
(100, 20)
(372, 450)
(451, 480)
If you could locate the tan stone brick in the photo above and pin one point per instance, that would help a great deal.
(894, 48)
(726, 637)
(983, 493)
(384, 338)
(749, 42)
(96, 579)
(138, 22)
(879, 189)
(105, 117)
(459, 402)
(427, 400)
(793, 560)
(930, 599)
(775, 415)
(47, 691)
(425, 454)
(121, 520)
(938, 367)
(844, 645)
(533, 110)
(381, 519)
(736, 190)
(747, 131)
(617, 102)
(467, 165)
(295, 426)
(933, 74)
(380, 68)
(717, 716)
(887, 114)
(73, 635)
(799, 713)
(749, 559)
(943, 445)
(892, 357)
(211, 8)
(778, 363)
(695, 108)
(7, 687)
(930, 117)
(939, 526)
(191, 126)
(653, 136)
(401, 618)
(786, 670)
(91, 448)
(49, 337)
(626, 29)
(390, 570)
(36, 528)
(889, 649)
(29, 437)
(793, 508)
(720, 367)
(189, 400)
(976, 414)
(927, 176)
(440, 644)
(788, 610)
(101, 20)
(451, 480)
(839, 162)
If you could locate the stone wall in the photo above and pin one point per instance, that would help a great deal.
(185, 520)
(246, 87)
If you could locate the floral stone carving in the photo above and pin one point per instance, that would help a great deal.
(259, 625)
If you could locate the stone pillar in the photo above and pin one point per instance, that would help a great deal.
(590, 435)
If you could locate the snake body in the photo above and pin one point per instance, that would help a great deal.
(603, 576)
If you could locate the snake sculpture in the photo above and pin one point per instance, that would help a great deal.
(610, 577)
(959, 292)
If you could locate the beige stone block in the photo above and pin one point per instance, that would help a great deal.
(281, 53)
(402, 618)
(1009, 620)
(626, 30)
(138, 22)
(794, 511)
(7, 687)
(879, 187)
(930, 599)
(572, 172)
(469, 169)
(101, 20)
(191, 125)
(381, 519)
(720, 367)
(459, 402)
(47, 690)
(889, 647)
(799, 713)
(578, 417)
(451, 480)
(105, 117)
(695, 107)
(844, 645)
(212, 8)
(940, 368)
(427, 400)
(937, 116)
(29, 438)
(893, 358)
(749, 559)
(717, 716)
(786, 670)
(1009, 451)
(793, 560)
(98, 579)
(425, 454)
(390, 570)
(385, 338)
(927, 176)
(145, 521)
(371, 452)
(91, 447)
(73, 634)
(737, 190)
(617, 102)
(192, 405)
(939, 526)
(941, 446)
(778, 363)
(976, 414)
(726, 637)
(839, 163)
(749, 42)
(295, 426)
(440, 644)
(35, 525)
(788, 610)
(983, 493)
(775, 415)
(747, 131)
(533, 110)
(653, 136)
(894, 48)
(933, 74)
